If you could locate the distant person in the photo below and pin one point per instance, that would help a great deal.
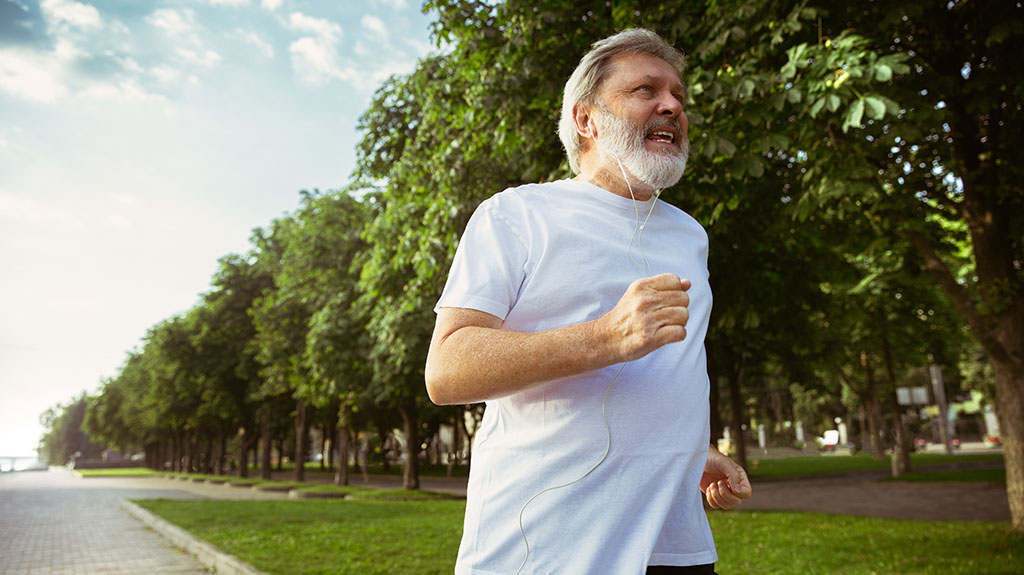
(577, 310)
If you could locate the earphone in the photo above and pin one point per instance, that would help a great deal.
(638, 236)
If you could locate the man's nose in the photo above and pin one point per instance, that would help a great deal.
(670, 106)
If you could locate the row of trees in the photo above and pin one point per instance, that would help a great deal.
(852, 160)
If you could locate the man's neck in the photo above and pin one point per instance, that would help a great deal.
(611, 180)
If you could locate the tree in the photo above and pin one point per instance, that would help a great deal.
(64, 439)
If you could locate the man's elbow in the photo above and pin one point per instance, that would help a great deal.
(438, 389)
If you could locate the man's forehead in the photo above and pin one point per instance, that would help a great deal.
(642, 67)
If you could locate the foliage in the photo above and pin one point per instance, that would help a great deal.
(64, 437)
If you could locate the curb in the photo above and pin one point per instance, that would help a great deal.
(213, 558)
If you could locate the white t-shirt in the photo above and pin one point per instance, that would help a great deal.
(546, 256)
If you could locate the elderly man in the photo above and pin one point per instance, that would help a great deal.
(577, 310)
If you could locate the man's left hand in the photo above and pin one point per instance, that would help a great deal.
(725, 484)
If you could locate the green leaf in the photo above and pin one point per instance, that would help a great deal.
(794, 95)
(832, 101)
(726, 147)
(854, 115)
(883, 73)
(755, 167)
(875, 107)
(817, 106)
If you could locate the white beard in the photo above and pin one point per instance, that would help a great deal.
(624, 141)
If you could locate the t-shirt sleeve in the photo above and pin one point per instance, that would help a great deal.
(489, 265)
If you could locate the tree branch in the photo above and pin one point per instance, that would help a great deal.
(958, 295)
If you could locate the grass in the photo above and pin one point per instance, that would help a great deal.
(118, 472)
(326, 535)
(345, 537)
(783, 543)
(819, 465)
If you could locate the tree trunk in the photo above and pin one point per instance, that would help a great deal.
(1010, 411)
(243, 452)
(382, 432)
(266, 443)
(869, 402)
(222, 449)
(714, 395)
(735, 368)
(208, 454)
(301, 428)
(469, 438)
(341, 475)
(903, 446)
(411, 469)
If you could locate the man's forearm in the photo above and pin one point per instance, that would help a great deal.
(473, 359)
(475, 363)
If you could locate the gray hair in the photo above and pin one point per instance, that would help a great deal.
(594, 68)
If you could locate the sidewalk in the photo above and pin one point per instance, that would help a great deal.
(56, 524)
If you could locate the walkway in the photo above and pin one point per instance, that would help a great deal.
(54, 523)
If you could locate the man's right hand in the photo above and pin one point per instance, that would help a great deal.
(653, 312)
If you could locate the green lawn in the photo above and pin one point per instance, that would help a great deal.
(119, 472)
(822, 464)
(385, 537)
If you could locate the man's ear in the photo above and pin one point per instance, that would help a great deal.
(584, 122)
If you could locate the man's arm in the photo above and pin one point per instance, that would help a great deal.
(472, 359)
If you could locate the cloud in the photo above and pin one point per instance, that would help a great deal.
(270, 5)
(317, 26)
(254, 39)
(315, 61)
(315, 57)
(228, 2)
(33, 212)
(375, 25)
(206, 59)
(394, 4)
(59, 13)
(175, 23)
(31, 75)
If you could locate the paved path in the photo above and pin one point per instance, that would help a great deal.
(54, 523)
(861, 493)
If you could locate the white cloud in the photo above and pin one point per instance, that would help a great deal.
(206, 59)
(316, 61)
(375, 25)
(59, 13)
(315, 58)
(174, 23)
(119, 90)
(270, 5)
(254, 39)
(318, 26)
(229, 2)
(165, 74)
(31, 75)
(394, 4)
(33, 212)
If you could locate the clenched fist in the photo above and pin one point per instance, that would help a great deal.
(653, 312)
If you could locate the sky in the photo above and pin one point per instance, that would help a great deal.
(142, 141)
